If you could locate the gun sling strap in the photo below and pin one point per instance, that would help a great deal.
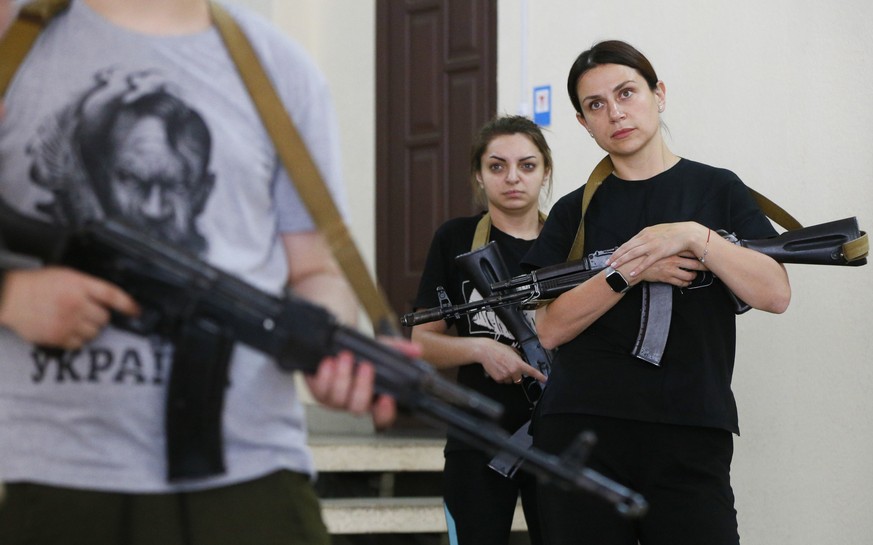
(483, 230)
(657, 299)
(194, 433)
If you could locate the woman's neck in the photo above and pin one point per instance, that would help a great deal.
(525, 224)
(645, 163)
(156, 17)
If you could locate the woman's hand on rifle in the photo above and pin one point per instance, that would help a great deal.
(502, 362)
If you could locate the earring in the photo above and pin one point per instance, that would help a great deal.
(591, 133)
(660, 108)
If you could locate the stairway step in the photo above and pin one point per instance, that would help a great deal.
(392, 516)
(345, 453)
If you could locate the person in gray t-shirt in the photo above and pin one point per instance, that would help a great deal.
(145, 118)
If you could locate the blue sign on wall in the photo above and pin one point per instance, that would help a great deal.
(542, 105)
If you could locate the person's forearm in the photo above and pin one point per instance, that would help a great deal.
(7, 12)
(330, 290)
(2, 288)
(314, 275)
(561, 320)
(753, 277)
(444, 351)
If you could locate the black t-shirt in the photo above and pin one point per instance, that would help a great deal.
(595, 372)
(454, 238)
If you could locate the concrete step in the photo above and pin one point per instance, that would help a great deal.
(389, 454)
(392, 516)
(350, 452)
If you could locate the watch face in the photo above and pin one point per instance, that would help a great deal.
(616, 281)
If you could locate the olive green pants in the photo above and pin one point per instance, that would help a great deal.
(281, 508)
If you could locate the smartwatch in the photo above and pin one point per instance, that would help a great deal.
(616, 280)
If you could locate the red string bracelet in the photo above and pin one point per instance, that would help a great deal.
(706, 247)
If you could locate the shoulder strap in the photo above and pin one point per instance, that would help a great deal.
(775, 212)
(483, 230)
(600, 173)
(856, 249)
(303, 171)
(604, 168)
(18, 40)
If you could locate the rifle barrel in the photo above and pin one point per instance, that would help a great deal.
(456, 311)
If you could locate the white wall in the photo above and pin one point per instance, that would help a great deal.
(776, 90)
(341, 35)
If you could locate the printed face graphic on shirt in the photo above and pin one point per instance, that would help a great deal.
(131, 150)
(486, 323)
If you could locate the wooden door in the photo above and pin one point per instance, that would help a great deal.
(436, 84)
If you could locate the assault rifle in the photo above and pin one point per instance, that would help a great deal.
(187, 301)
(484, 266)
(838, 242)
(525, 291)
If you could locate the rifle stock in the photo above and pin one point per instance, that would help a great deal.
(822, 244)
(173, 288)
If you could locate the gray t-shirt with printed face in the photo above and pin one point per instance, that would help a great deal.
(159, 131)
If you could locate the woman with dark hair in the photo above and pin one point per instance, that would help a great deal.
(664, 423)
(510, 165)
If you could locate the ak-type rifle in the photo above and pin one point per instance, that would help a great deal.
(203, 311)
(838, 242)
(525, 291)
(484, 266)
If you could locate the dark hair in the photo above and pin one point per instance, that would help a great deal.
(608, 52)
(503, 126)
